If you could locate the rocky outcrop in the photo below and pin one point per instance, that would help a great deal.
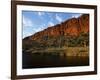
(72, 32)
(71, 27)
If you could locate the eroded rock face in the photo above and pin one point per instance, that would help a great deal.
(72, 27)
(68, 33)
(84, 23)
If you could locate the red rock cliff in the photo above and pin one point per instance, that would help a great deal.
(72, 27)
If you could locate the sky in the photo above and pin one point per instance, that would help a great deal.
(35, 21)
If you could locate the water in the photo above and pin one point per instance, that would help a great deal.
(52, 59)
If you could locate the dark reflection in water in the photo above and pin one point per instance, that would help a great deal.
(38, 60)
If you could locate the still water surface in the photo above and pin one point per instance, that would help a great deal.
(38, 60)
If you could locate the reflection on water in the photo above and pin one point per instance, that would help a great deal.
(52, 59)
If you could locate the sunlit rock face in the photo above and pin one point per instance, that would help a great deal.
(60, 33)
(72, 27)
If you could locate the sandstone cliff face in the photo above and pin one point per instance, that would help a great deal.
(71, 27)
(71, 33)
